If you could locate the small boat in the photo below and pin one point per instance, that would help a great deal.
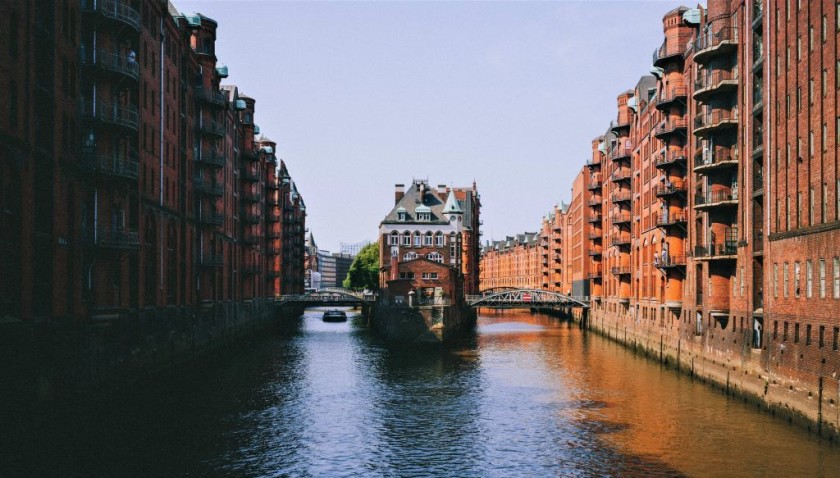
(335, 316)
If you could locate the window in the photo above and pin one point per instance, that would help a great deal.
(406, 275)
(796, 333)
(785, 279)
(775, 329)
(775, 280)
(742, 281)
(822, 336)
(824, 203)
(406, 238)
(435, 256)
(811, 208)
(796, 271)
(425, 275)
(823, 28)
(439, 239)
(401, 216)
(427, 239)
(785, 332)
(409, 256)
(417, 238)
(808, 334)
(822, 278)
(837, 278)
(395, 239)
(835, 343)
(824, 83)
(810, 38)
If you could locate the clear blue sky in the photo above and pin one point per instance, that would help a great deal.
(362, 95)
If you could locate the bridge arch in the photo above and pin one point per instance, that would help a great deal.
(513, 298)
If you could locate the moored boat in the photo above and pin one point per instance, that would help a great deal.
(334, 316)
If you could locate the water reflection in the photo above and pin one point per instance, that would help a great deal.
(526, 395)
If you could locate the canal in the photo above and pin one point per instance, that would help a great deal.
(527, 395)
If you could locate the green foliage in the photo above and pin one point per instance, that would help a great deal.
(364, 271)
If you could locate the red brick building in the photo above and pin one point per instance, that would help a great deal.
(146, 190)
(428, 244)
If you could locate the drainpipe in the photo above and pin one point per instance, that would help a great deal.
(160, 160)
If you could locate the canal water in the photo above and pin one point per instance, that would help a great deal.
(527, 395)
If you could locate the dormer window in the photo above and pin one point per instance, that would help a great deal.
(424, 213)
(401, 215)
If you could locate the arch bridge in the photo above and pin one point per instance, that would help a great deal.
(502, 297)
(328, 297)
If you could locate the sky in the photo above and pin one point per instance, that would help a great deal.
(360, 96)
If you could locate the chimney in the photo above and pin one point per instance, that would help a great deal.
(399, 192)
(442, 190)
(421, 196)
(395, 269)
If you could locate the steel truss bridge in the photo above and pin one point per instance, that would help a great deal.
(328, 297)
(504, 297)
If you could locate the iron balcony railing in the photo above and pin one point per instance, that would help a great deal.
(620, 176)
(250, 175)
(112, 62)
(249, 154)
(621, 152)
(715, 197)
(274, 216)
(272, 234)
(621, 271)
(218, 98)
(250, 217)
(590, 163)
(758, 180)
(715, 119)
(671, 47)
(670, 95)
(709, 40)
(667, 261)
(117, 10)
(621, 196)
(115, 165)
(758, 239)
(666, 189)
(716, 250)
(594, 236)
(595, 272)
(111, 112)
(619, 124)
(251, 239)
(671, 157)
(711, 80)
(595, 251)
(670, 127)
(712, 159)
(620, 240)
(114, 238)
(594, 185)
(594, 202)
(212, 127)
(211, 157)
(620, 218)
(250, 196)
(211, 218)
(209, 187)
(594, 218)
(670, 218)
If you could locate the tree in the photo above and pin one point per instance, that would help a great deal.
(364, 271)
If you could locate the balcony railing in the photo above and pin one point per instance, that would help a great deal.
(621, 152)
(671, 94)
(595, 236)
(618, 241)
(713, 42)
(250, 270)
(616, 126)
(758, 239)
(211, 218)
(670, 218)
(594, 185)
(212, 127)
(250, 217)
(591, 163)
(715, 198)
(274, 216)
(115, 165)
(218, 98)
(620, 176)
(594, 218)
(621, 271)
(667, 261)
(620, 218)
(714, 120)
(251, 239)
(113, 62)
(250, 196)
(249, 154)
(667, 128)
(670, 189)
(717, 80)
(249, 175)
(595, 251)
(758, 180)
(720, 250)
(672, 157)
(113, 113)
(621, 196)
(209, 187)
(116, 10)
(594, 272)
(670, 48)
(211, 157)
(714, 159)
(114, 238)
(272, 234)
(594, 202)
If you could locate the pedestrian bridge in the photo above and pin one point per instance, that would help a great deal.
(502, 297)
(328, 297)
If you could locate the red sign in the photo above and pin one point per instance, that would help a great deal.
(526, 297)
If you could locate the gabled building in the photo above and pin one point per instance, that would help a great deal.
(429, 244)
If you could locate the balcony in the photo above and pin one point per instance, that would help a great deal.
(125, 116)
(618, 176)
(594, 202)
(251, 270)
(714, 121)
(675, 48)
(272, 249)
(250, 196)
(115, 10)
(668, 189)
(120, 166)
(591, 163)
(249, 155)
(113, 63)
(208, 96)
(594, 185)
(720, 251)
(715, 199)
(620, 240)
(210, 218)
(211, 158)
(212, 260)
(671, 158)
(273, 235)
(274, 216)
(595, 252)
(710, 44)
(114, 238)
(669, 263)
(617, 126)
(620, 153)
(671, 96)
(212, 128)
(249, 175)
(621, 271)
(209, 187)
(594, 272)
(712, 82)
(274, 186)
(250, 239)
(666, 129)
(595, 236)
(250, 217)
(621, 197)
(594, 218)
(620, 219)
(719, 158)
(671, 219)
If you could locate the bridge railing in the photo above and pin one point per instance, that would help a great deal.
(527, 298)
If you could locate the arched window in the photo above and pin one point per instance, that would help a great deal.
(409, 256)
(406, 238)
(435, 256)
(427, 239)
(417, 238)
(395, 239)
(439, 239)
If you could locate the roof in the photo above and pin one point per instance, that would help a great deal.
(411, 204)
(452, 206)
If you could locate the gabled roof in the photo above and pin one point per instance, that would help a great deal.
(452, 206)
(411, 203)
